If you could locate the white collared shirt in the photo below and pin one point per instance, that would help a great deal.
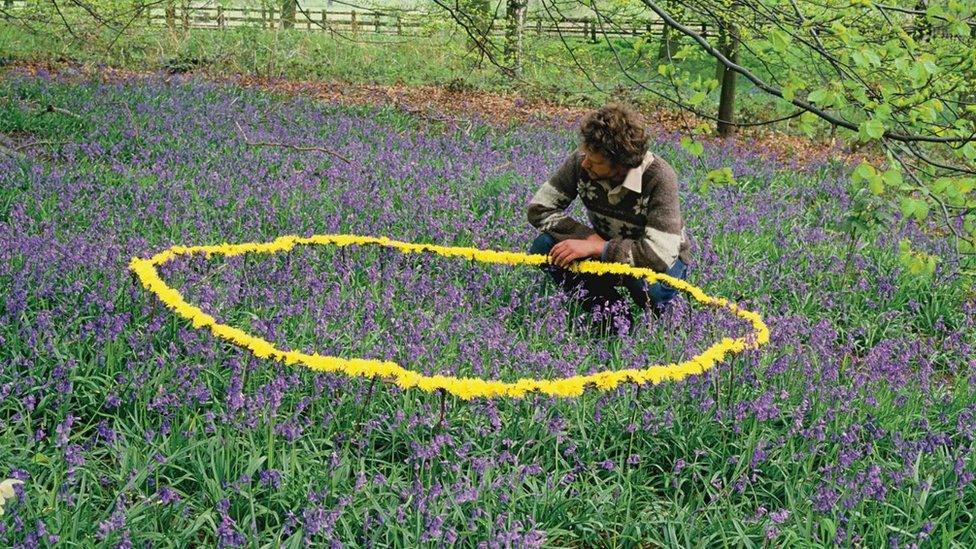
(632, 181)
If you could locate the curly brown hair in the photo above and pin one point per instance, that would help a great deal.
(616, 131)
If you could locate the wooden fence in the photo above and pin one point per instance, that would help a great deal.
(378, 22)
(403, 23)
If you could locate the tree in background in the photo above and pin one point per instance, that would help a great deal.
(849, 66)
(515, 17)
(288, 8)
(669, 37)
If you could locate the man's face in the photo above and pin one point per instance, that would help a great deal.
(597, 166)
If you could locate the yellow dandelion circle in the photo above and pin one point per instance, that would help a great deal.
(465, 387)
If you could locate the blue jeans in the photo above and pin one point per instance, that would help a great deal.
(600, 289)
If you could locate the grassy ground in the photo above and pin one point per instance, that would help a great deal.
(854, 427)
(442, 59)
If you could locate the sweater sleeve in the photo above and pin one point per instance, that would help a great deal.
(660, 244)
(547, 209)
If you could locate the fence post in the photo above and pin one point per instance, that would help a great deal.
(220, 16)
(352, 21)
(399, 25)
(324, 12)
(186, 16)
(272, 23)
(376, 21)
(593, 31)
(289, 9)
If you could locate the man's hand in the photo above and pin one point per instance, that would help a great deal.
(568, 251)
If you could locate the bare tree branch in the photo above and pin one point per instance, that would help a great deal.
(478, 40)
(779, 93)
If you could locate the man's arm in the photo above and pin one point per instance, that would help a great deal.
(547, 209)
(658, 248)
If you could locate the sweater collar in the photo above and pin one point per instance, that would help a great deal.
(633, 181)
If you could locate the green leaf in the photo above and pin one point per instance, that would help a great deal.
(965, 185)
(721, 176)
(907, 206)
(959, 28)
(911, 207)
(921, 211)
(818, 96)
(918, 263)
(873, 58)
(873, 128)
(789, 91)
(779, 40)
(918, 74)
(966, 247)
(806, 123)
(863, 172)
(876, 184)
(697, 98)
(892, 177)
(915, 265)
(693, 147)
(969, 151)
(842, 32)
(904, 246)
(882, 112)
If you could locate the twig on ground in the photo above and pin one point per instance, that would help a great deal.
(9, 147)
(59, 110)
(36, 143)
(13, 152)
(289, 146)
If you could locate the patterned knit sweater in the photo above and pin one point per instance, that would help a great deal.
(642, 229)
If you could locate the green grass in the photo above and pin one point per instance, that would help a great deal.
(204, 459)
(442, 59)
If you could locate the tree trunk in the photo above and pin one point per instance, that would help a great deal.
(515, 13)
(669, 38)
(726, 104)
(720, 66)
(288, 13)
(667, 43)
(478, 21)
(921, 28)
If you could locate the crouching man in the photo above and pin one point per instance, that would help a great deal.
(631, 199)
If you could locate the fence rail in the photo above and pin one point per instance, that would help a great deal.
(368, 21)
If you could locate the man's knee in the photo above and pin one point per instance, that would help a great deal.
(542, 244)
(663, 293)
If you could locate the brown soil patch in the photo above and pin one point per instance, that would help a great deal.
(438, 103)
